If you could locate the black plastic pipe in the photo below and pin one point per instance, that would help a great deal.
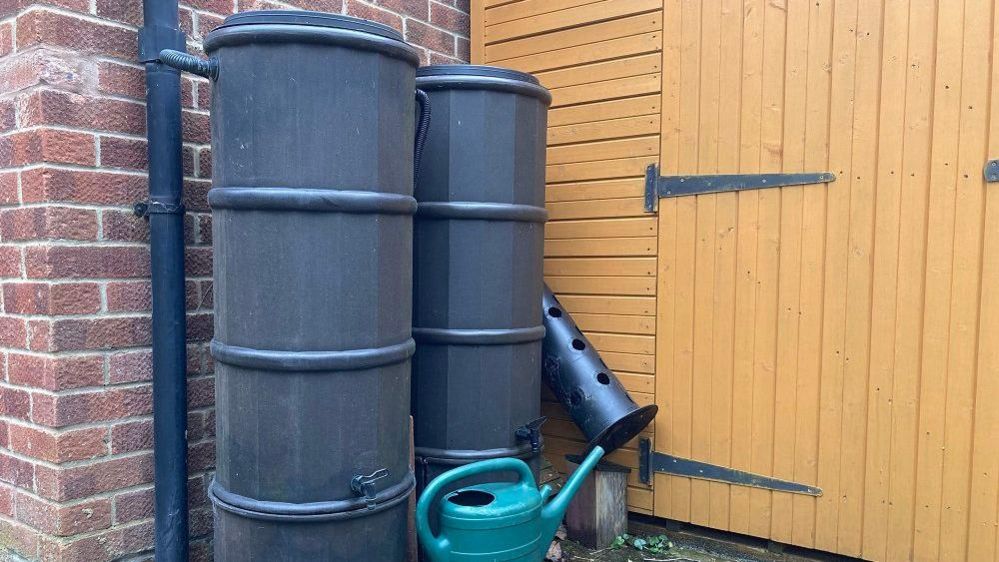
(166, 227)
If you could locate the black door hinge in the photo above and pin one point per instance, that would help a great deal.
(657, 186)
(650, 461)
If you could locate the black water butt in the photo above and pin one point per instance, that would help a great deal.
(312, 149)
(585, 386)
(479, 239)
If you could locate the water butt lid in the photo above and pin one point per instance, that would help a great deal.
(475, 76)
(314, 19)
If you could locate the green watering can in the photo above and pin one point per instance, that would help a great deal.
(499, 521)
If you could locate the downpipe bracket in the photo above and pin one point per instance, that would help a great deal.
(145, 208)
(155, 38)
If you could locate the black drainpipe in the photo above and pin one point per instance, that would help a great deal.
(166, 240)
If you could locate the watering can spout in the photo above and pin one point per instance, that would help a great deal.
(554, 511)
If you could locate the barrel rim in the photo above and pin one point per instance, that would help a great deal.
(312, 511)
(479, 77)
(310, 18)
(456, 457)
(264, 33)
(301, 361)
(311, 200)
(479, 336)
(476, 210)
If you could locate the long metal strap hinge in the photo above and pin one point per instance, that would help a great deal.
(657, 186)
(650, 462)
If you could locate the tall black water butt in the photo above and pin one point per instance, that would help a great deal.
(312, 139)
(478, 269)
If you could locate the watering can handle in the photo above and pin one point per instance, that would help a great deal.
(438, 546)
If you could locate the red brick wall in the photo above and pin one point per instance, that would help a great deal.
(75, 405)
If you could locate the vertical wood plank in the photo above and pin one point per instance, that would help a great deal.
(812, 271)
(983, 509)
(834, 300)
(789, 270)
(726, 221)
(939, 268)
(919, 95)
(666, 291)
(476, 42)
(858, 276)
(750, 119)
(704, 306)
(768, 262)
(885, 279)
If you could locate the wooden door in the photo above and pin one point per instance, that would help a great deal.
(839, 335)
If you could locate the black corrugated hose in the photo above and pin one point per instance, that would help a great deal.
(422, 126)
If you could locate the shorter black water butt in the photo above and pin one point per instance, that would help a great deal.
(585, 386)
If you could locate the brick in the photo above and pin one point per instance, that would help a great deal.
(463, 49)
(200, 393)
(192, 299)
(201, 456)
(121, 80)
(62, 521)
(123, 226)
(44, 27)
(8, 188)
(8, 118)
(412, 8)
(429, 37)
(117, 152)
(52, 299)
(76, 186)
(131, 437)
(206, 23)
(57, 448)
(47, 145)
(449, 18)
(133, 506)
(6, 39)
(64, 484)
(200, 327)
(198, 261)
(205, 229)
(109, 262)
(20, 539)
(6, 500)
(101, 333)
(56, 373)
(129, 296)
(117, 543)
(10, 261)
(13, 332)
(39, 335)
(132, 366)
(204, 94)
(221, 7)
(45, 66)
(437, 58)
(48, 223)
(52, 107)
(374, 13)
(125, 11)
(8, 7)
(16, 471)
(205, 163)
(196, 195)
(87, 407)
(197, 128)
(15, 403)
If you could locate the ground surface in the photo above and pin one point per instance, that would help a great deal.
(573, 552)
